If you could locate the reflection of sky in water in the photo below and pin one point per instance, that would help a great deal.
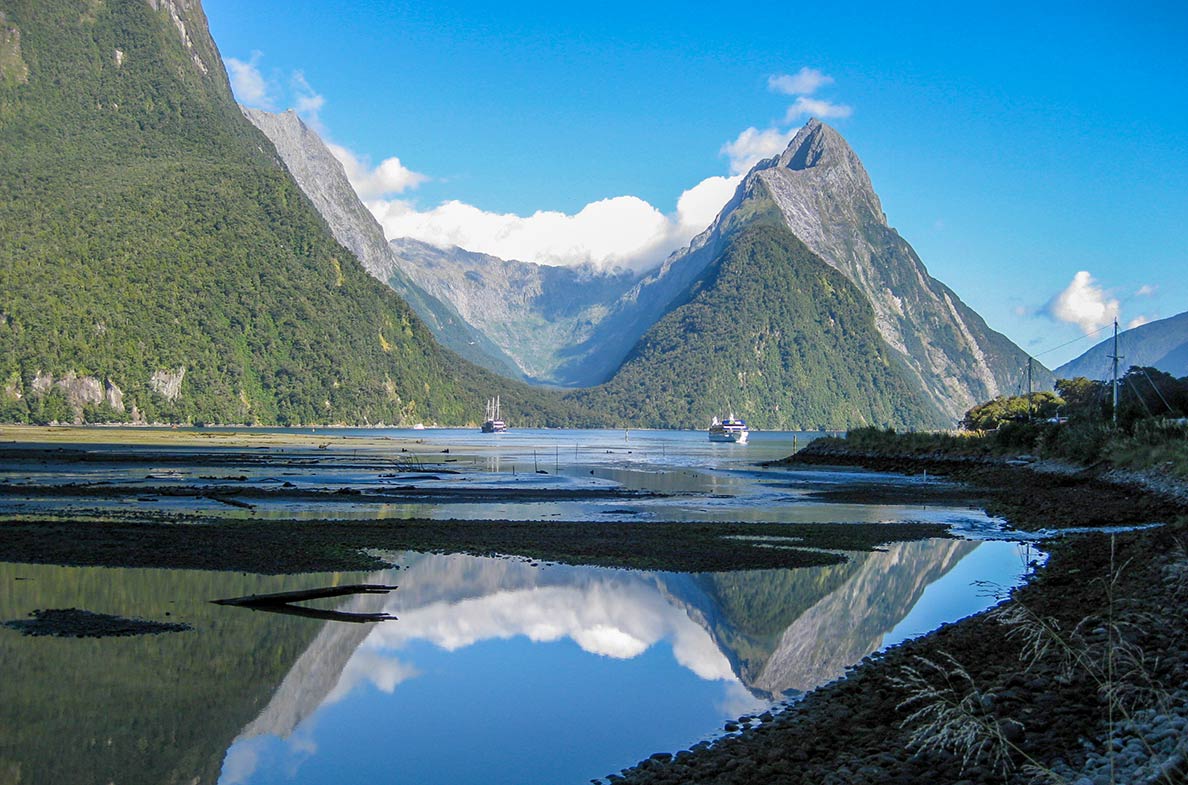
(500, 711)
(700, 480)
(499, 672)
(990, 570)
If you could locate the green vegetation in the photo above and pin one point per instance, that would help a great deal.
(772, 333)
(1075, 424)
(1016, 408)
(151, 233)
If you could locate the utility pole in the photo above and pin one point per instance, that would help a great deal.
(1029, 412)
(1115, 357)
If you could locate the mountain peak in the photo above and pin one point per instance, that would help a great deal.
(817, 144)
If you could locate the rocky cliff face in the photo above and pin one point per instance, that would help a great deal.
(323, 179)
(824, 195)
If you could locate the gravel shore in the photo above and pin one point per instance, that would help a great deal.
(1078, 677)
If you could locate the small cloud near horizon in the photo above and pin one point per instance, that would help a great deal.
(814, 107)
(803, 84)
(1084, 304)
(806, 81)
(1138, 321)
(248, 83)
(307, 102)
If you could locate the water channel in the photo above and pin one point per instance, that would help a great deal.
(496, 670)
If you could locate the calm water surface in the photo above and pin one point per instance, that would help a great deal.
(495, 670)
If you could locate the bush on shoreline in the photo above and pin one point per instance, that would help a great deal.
(1075, 424)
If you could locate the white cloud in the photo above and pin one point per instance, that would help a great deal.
(1146, 290)
(619, 232)
(616, 232)
(1137, 321)
(390, 177)
(623, 231)
(699, 206)
(752, 146)
(307, 101)
(1084, 304)
(815, 107)
(248, 84)
(806, 81)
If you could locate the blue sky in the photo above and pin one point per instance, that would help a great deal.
(1037, 159)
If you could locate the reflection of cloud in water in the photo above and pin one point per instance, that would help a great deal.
(783, 630)
(739, 700)
(614, 614)
(384, 673)
(239, 764)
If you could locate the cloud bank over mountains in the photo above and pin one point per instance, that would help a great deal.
(618, 232)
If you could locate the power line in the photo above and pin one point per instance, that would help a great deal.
(1066, 343)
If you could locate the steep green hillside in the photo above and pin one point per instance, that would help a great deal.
(773, 334)
(159, 261)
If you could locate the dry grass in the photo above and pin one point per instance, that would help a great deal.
(949, 712)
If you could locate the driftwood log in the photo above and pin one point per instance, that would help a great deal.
(286, 602)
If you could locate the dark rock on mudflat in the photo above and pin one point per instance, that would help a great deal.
(75, 623)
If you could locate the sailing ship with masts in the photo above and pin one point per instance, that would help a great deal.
(492, 422)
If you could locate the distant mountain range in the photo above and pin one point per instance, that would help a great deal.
(552, 321)
(926, 359)
(163, 262)
(1162, 344)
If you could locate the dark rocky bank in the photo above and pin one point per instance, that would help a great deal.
(1078, 677)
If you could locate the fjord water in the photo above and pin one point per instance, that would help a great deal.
(496, 670)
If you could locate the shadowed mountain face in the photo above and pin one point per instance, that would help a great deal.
(1162, 344)
(551, 320)
(160, 262)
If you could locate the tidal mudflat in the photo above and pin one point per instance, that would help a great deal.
(565, 603)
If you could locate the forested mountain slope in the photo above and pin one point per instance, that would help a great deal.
(772, 333)
(323, 179)
(158, 261)
(824, 195)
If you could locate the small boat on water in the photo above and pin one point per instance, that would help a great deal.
(730, 429)
(492, 423)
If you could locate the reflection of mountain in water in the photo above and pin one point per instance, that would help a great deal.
(774, 630)
(849, 623)
(794, 630)
(145, 709)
